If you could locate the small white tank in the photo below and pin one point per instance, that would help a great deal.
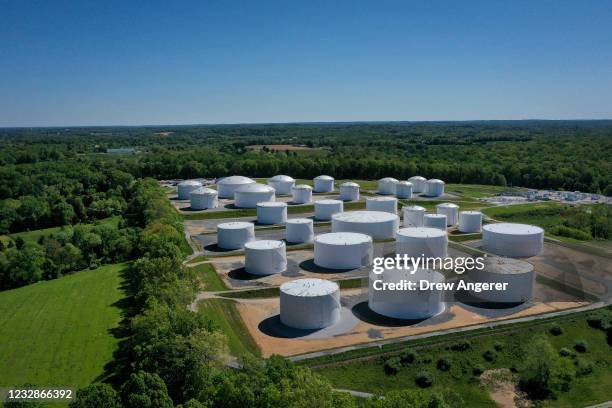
(309, 304)
(451, 211)
(271, 212)
(435, 221)
(403, 189)
(203, 198)
(422, 241)
(514, 240)
(377, 224)
(470, 221)
(418, 184)
(186, 187)
(282, 184)
(227, 186)
(434, 188)
(301, 194)
(265, 257)
(324, 209)
(343, 250)
(248, 196)
(386, 204)
(233, 235)
(323, 184)
(405, 304)
(349, 191)
(519, 275)
(413, 215)
(386, 186)
(299, 230)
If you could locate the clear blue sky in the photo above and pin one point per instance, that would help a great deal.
(149, 62)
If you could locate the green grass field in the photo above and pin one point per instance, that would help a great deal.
(225, 315)
(59, 332)
(474, 191)
(209, 278)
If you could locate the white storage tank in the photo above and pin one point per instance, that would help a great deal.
(386, 204)
(186, 187)
(265, 257)
(386, 186)
(435, 221)
(301, 194)
(451, 211)
(271, 212)
(324, 209)
(514, 240)
(434, 188)
(470, 221)
(282, 184)
(250, 195)
(377, 224)
(343, 250)
(422, 241)
(228, 185)
(309, 304)
(403, 189)
(299, 230)
(413, 215)
(233, 235)
(405, 304)
(323, 184)
(519, 275)
(349, 191)
(203, 198)
(418, 184)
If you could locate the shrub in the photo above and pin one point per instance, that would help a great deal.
(583, 367)
(461, 346)
(489, 355)
(425, 359)
(392, 366)
(444, 364)
(565, 352)
(581, 346)
(498, 346)
(477, 370)
(543, 373)
(424, 379)
(408, 357)
(556, 330)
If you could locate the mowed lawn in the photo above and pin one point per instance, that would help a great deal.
(59, 332)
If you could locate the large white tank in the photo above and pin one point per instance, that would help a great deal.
(405, 304)
(265, 257)
(435, 221)
(299, 230)
(233, 235)
(309, 304)
(324, 209)
(186, 187)
(349, 191)
(413, 215)
(271, 212)
(421, 241)
(403, 189)
(386, 204)
(249, 195)
(470, 221)
(451, 211)
(418, 184)
(282, 184)
(323, 184)
(519, 275)
(203, 198)
(343, 250)
(228, 185)
(377, 224)
(387, 185)
(514, 240)
(434, 188)
(301, 194)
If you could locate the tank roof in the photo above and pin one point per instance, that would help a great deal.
(417, 178)
(235, 180)
(506, 266)
(190, 183)
(435, 215)
(343, 238)
(414, 208)
(421, 232)
(384, 198)
(470, 212)
(299, 221)
(436, 181)
(324, 177)
(281, 177)
(404, 183)
(365, 216)
(328, 201)
(447, 205)
(310, 287)
(509, 228)
(388, 179)
(272, 204)
(204, 191)
(349, 184)
(254, 188)
(264, 244)
(235, 225)
(302, 187)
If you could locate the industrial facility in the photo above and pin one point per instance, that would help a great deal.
(265, 257)
(451, 211)
(513, 240)
(343, 250)
(413, 215)
(203, 198)
(234, 235)
(386, 186)
(271, 212)
(386, 204)
(349, 191)
(309, 304)
(377, 224)
(186, 187)
(324, 209)
(323, 184)
(301, 194)
(228, 185)
(421, 241)
(519, 276)
(282, 184)
(299, 230)
(249, 195)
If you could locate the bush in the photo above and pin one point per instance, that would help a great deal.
(392, 366)
(408, 357)
(565, 352)
(424, 379)
(444, 364)
(543, 373)
(556, 330)
(581, 346)
(498, 346)
(489, 355)
(477, 370)
(601, 321)
(425, 359)
(583, 367)
(461, 346)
